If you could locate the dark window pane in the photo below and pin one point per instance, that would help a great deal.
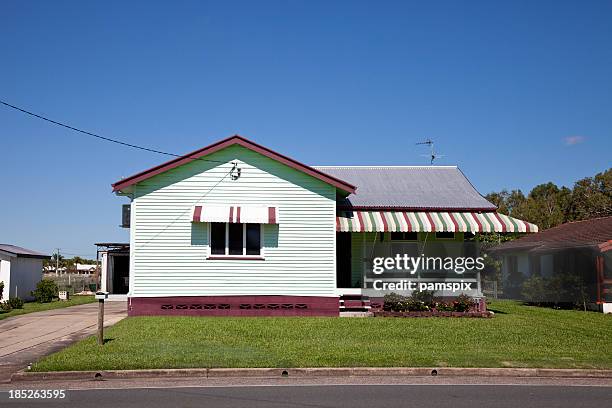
(217, 238)
(445, 235)
(253, 239)
(403, 236)
(235, 239)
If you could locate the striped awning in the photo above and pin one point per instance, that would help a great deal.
(401, 221)
(235, 214)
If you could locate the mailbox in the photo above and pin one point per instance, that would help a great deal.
(101, 295)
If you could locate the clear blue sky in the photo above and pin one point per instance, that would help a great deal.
(499, 86)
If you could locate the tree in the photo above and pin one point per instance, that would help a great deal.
(592, 197)
(548, 205)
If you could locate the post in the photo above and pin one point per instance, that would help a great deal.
(100, 322)
(101, 296)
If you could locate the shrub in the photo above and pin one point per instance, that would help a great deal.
(414, 305)
(445, 307)
(394, 302)
(15, 303)
(46, 291)
(398, 303)
(535, 290)
(5, 306)
(463, 303)
(1, 288)
(424, 296)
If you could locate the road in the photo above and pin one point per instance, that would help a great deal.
(353, 396)
(26, 338)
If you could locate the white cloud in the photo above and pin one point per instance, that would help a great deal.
(573, 140)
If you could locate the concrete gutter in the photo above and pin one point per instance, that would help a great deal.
(311, 372)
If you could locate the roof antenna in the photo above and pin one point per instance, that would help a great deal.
(432, 155)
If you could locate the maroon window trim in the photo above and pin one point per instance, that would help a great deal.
(271, 215)
(197, 213)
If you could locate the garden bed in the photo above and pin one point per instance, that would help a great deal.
(431, 313)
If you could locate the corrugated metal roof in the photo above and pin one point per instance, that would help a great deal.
(22, 252)
(409, 187)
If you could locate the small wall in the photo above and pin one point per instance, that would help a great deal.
(234, 306)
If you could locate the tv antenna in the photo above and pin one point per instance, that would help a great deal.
(432, 155)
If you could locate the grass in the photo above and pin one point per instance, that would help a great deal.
(518, 336)
(31, 307)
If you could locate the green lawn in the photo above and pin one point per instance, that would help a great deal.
(518, 336)
(30, 307)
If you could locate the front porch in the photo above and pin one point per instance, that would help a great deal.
(369, 242)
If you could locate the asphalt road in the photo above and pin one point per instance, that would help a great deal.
(353, 396)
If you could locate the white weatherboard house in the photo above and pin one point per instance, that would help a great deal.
(20, 270)
(236, 228)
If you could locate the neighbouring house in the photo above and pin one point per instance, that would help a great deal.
(20, 270)
(237, 228)
(115, 266)
(85, 269)
(51, 269)
(577, 256)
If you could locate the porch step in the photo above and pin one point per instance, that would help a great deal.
(354, 303)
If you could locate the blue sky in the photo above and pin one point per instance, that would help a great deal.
(516, 93)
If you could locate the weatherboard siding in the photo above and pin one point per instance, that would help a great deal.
(169, 251)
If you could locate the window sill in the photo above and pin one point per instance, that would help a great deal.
(236, 257)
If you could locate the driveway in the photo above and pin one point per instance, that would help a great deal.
(26, 338)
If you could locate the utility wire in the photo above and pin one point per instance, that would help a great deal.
(108, 139)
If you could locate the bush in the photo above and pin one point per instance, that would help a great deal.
(46, 291)
(425, 296)
(15, 303)
(415, 303)
(463, 303)
(445, 307)
(394, 303)
(535, 290)
(1, 288)
(5, 306)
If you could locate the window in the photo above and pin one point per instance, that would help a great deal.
(403, 236)
(445, 235)
(235, 239)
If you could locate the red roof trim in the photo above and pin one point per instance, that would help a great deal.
(233, 140)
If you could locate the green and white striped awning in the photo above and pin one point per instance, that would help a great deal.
(402, 221)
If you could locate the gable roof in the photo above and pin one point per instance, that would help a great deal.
(22, 252)
(230, 141)
(594, 232)
(409, 188)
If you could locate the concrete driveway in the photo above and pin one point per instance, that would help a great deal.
(26, 338)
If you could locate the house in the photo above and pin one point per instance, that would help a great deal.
(20, 270)
(237, 228)
(51, 269)
(115, 266)
(86, 269)
(576, 255)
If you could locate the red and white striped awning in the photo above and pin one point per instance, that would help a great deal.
(401, 221)
(250, 214)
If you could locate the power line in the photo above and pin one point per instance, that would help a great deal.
(107, 139)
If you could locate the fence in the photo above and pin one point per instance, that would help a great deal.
(491, 288)
(73, 283)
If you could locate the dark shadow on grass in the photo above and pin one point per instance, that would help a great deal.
(108, 340)
(495, 311)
